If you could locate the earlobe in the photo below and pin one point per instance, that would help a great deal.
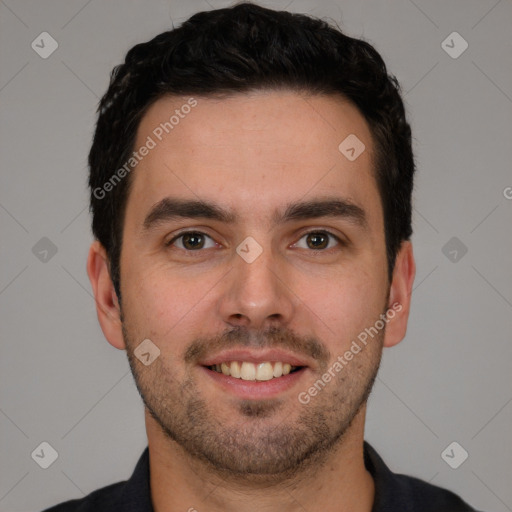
(400, 295)
(107, 304)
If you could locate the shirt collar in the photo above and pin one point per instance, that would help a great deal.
(136, 494)
(385, 481)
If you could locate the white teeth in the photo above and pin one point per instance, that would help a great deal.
(235, 370)
(249, 371)
(225, 369)
(264, 371)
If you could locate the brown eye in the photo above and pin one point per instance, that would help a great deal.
(190, 240)
(319, 240)
(193, 241)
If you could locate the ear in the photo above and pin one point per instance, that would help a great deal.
(400, 295)
(107, 304)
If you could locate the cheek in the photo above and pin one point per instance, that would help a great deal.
(160, 300)
(344, 305)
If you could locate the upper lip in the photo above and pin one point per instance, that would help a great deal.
(252, 356)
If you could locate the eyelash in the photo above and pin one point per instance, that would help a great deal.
(315, 231)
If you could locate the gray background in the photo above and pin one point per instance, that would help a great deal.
(449, 380)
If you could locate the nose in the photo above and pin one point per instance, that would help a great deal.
(257, 295)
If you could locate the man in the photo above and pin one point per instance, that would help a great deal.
(251, 177)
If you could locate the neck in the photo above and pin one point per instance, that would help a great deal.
(337, 481)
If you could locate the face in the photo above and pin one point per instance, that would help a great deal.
(280, 265)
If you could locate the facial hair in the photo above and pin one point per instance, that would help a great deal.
(265, 444)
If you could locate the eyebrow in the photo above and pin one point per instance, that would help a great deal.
(170, 208)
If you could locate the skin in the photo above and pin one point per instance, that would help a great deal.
(254, 153)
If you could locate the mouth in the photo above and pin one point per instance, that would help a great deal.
(257, 375)
(246, 370)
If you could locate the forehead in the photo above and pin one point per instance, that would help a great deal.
(254, 152)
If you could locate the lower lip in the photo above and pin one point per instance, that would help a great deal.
(255, 389)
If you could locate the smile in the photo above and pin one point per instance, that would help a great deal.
(246, 370)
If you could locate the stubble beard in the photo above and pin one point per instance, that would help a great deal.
(265, 445)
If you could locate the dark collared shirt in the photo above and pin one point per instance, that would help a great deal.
(393, 492)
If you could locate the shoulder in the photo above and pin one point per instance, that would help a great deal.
(422, 496)
(407, 493)
(101, 500)
(132, 495)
